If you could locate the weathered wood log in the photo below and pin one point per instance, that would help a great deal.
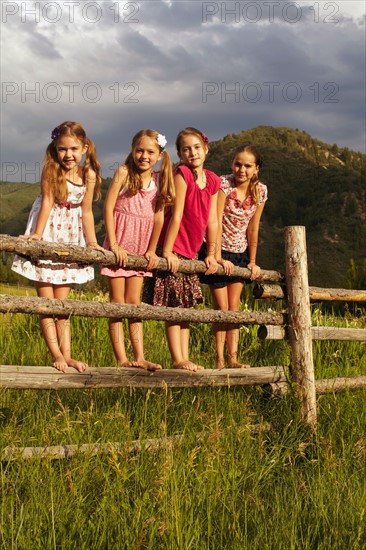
(299, 327)
(323, 386)
(332, 385)
(73, 253)
(48, 378)
(268, 291)
(278, 292)
(267, 332)
(56, 452)
(84, 308)
(336, 295)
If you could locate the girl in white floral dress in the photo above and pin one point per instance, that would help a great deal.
(63, 214)
(240, 205)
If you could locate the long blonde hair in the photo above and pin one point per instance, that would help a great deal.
(56, 174)
(253, 184)
(166, 184)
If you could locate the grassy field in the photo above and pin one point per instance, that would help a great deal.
(224, 486)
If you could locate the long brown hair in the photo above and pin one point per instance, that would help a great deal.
(56, 174)
(188, 132)
(166, 184)
(252, 149)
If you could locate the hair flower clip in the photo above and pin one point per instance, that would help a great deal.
(161, 141)
(56, 132)
(205, 138)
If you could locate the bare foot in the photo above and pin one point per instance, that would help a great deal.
(239, 366)
(220, 364)
(127, 365)
(188, 365)
(59, 363)
(78, 365)
(147, 365)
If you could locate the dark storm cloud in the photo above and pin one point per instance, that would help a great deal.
(167, 65)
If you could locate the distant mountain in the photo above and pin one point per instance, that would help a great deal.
(309, 183)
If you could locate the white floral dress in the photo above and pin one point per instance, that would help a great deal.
(64, 225)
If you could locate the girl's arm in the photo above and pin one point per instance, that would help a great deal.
(211, 237)
(87, 213)
(174, 224)
(150, 255)
(48, 200)
(115, 187)
(226, 264)
(252, 237)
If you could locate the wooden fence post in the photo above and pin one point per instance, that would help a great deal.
(300, 321)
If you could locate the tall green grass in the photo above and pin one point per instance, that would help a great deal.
(223, 487)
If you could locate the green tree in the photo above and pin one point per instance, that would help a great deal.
(356, 275)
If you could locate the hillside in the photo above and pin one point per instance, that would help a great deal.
(310, 183)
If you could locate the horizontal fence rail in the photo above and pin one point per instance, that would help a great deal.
(278, 292)
(56, 452)
(84, 308)
(268, 332)
(48, 378)
(82, 255)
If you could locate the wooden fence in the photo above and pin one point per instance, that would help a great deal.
(294, 325)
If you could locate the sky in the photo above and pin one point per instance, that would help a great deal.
(223, 67)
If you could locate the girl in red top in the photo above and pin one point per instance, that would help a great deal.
(193, 215)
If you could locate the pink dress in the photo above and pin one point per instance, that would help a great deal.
(134, 222)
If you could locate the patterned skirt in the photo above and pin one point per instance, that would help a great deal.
(173, 289)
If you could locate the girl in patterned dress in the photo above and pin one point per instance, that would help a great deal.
(240, 205)
(134, 216)
(63, 214)
(194, 214)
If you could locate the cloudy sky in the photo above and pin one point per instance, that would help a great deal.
(119, 66)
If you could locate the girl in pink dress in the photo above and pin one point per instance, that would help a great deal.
(194, 214)
(63, 214)
(241, 202)
(134, 216)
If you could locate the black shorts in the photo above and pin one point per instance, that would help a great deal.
(239, 259)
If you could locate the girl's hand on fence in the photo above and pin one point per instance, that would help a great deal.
(227, 266)
(32, 237)
(96, 246)
(173, 261)
(255, 269)
(120, 253)
(211, 264)
(152, 259)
